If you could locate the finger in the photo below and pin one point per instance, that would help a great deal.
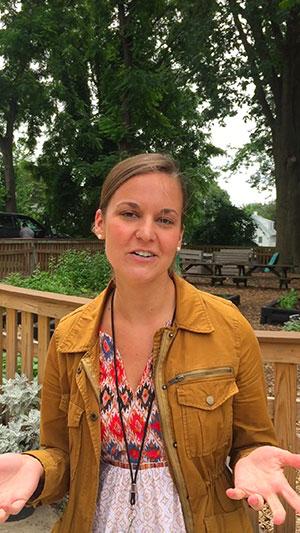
(256, 501)
(3, 515)
(290, 459)
(236, 494)
(277, 509)
(291, 497)
(16, 506)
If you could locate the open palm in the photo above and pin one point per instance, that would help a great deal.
(19, 477)
(260, 477)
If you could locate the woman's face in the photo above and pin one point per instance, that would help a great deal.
(142, 227)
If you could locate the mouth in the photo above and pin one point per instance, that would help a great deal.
(143, 253)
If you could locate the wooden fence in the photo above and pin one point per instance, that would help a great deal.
(24, 255)
(23, 311)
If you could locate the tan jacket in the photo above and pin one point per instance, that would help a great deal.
(210, 391)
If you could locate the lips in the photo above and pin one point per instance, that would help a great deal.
(143, 253)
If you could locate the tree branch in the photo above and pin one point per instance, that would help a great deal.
(250, 52)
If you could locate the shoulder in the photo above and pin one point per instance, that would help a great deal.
(78, 330)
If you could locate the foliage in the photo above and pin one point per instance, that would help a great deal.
(289, 300)
(251, 55)
(221, 222)
(266, 210)
(78, 273)
(292, 325)
(25, 99)
(19, 403)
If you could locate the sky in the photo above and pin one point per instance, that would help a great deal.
(233, 135)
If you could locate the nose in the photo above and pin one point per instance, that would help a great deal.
(145, 230)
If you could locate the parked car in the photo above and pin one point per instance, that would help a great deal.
(10, 225)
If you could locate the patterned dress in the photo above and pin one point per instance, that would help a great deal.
(157, 505)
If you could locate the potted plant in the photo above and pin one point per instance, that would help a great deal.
(280, 310)
(20, 421)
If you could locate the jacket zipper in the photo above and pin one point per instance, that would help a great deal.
(166, 421)
(205, 373)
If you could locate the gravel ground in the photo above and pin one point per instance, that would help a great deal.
(252, 298)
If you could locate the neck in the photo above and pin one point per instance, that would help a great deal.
(148, 302)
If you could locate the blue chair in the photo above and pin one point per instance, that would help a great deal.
(272, 261)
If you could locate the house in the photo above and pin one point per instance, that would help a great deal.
(265, 234)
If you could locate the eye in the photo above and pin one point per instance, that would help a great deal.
(129, 214)
(165, 221)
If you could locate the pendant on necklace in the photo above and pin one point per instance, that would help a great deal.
(132, 494)
(131, 518)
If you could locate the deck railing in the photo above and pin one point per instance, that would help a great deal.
(24, 255)
(28, 317)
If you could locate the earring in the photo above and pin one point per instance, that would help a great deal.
(178, 248)
(99, 236)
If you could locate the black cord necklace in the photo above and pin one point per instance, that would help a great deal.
(133, 471)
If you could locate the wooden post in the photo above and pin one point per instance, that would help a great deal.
(27, 343)
(43, 341)
(11, 343)
(285, 424)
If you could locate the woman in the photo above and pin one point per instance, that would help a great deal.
(151, 389)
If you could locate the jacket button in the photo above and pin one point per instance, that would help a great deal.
(171, 335)
(164, 387)
(93, 417)
(210, 400)
(175, 444)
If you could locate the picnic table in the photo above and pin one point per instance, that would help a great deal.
(281, 271)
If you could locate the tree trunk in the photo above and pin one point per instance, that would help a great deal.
(6, 147)
(286, 151)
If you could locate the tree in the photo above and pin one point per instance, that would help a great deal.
(266, 210)
(119, 89)
(221, 222)
(256, 44)
(22, 87)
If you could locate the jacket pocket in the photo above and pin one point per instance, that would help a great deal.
(207, 414)
(75, 436)
(233, 522)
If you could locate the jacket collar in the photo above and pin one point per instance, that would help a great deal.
(191, 308)
(191, 315)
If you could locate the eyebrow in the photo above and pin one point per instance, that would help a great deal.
(164, 211)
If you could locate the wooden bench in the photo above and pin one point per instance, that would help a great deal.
(230, 259)
(188, 256)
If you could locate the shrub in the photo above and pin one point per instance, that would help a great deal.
(79, 273)
(292, 325)
(289, 300)
(19, 403)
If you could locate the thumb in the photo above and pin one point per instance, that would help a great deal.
(236, 494)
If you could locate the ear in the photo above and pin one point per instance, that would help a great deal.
(99, 224)
(180, 239)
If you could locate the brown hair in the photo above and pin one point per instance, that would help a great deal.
(136, 165)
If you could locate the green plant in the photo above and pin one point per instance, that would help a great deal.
(289, 300)
(80, 273)
(19, 404)
(292, 325)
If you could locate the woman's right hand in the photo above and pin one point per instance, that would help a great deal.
(19, 478)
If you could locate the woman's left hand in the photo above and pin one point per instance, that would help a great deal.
(259, 477)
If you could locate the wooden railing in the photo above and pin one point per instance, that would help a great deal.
(25, 311)
(24, 255)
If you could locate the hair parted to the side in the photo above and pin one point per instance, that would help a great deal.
(146, 163)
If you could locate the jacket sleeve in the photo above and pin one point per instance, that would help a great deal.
(54, 442)
(252, 426)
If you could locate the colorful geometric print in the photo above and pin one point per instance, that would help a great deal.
(134, 411)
